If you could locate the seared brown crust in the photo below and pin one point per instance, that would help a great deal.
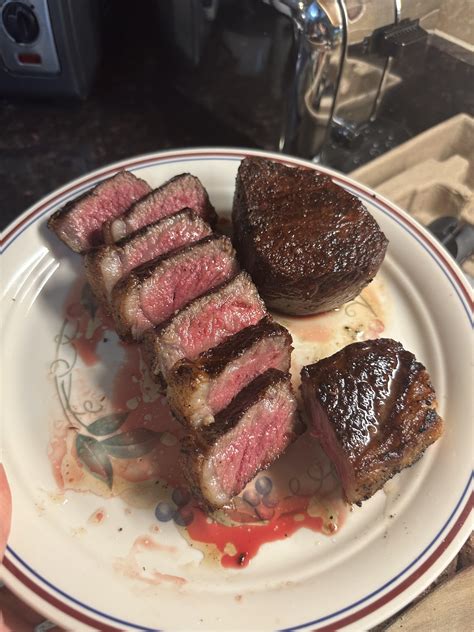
(215, 360)
(120, 293)
(382, 407)
(57, 218)
(69, 206)
(133, 282)
(92, 260)
(309, 244)
(195, 446)
(188, 377)
(191, 463)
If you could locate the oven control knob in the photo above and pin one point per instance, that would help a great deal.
(20, 22)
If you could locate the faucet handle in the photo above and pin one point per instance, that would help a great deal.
(395, 40)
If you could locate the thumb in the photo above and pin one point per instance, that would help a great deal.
(3, 627)
(5, 515)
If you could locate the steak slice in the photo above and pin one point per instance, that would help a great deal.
(151, 293)
(79, 222)
(204, 323)
(246, 437)
(373, 408)
(108, 264)
(200, 388)
(309, 244)
(183, 191)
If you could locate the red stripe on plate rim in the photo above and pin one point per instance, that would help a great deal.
(332, 627)
(408, 581)
(54, 601)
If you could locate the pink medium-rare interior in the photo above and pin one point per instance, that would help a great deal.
(184, 280)
(268, 353)
(321, 428)
(154, 210)
(154, 243)
(210, 326)
(193, 198)
(182, 193)
(109, 200)
(260, 436)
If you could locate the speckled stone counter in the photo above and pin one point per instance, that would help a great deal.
(134, 108)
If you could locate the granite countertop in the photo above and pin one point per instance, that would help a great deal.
(44, 144)
(135, 108)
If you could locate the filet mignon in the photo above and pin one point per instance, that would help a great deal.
(200, 388)
(204, 323)
(79, 222)
(182, 191)
(108, 264)
(309, 244)
(373, 408)
(246, 437)
(151, 293)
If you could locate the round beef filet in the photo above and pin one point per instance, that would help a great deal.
(309, 244)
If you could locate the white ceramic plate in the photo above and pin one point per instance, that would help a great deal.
(74, 556)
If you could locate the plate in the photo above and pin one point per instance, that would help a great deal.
(137, 560)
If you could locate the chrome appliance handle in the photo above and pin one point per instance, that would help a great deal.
(320, 36)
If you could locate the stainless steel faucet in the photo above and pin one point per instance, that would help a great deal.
(345, 51)
(294, 73)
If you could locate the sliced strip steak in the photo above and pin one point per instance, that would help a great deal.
(183, 191)
(200, 388)
(151, 293)
(246, 437)
(204, 323)
(309, 244)
(373, 408)
(79, 222)
(108, 264)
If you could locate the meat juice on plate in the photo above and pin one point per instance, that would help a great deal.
(116, 435)
(319, 336)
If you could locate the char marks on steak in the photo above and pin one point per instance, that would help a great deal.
(200, 388)
(309, 244)
(151, 293)
(108, 264)
(182, 191)
(204, 323)
(79, 222)
(246, 437)
(373, 408)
